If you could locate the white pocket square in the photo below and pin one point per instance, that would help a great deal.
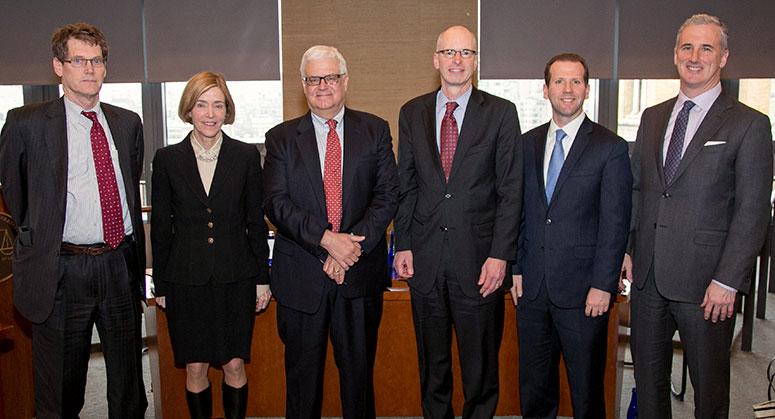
(712, 143)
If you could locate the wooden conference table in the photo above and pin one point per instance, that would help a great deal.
(396, 380)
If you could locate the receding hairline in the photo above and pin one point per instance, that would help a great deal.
(451, 28)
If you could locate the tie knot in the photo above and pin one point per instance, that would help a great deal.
(688, 105)
(451, 106)
(560, 135)
(90, 115)
(331, 123)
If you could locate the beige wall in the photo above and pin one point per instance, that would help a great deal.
(388, 47)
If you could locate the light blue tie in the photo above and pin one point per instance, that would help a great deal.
(555, 164)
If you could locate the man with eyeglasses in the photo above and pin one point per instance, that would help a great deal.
(460, 166)
(70, 171)
(331, 189)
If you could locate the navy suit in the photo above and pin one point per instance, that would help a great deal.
(567, 247)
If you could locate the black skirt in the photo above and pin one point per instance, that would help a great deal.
(211, 322)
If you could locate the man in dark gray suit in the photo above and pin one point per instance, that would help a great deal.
(702, 169)
(458, 217)
(70, 171)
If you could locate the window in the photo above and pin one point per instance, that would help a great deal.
(10, 97)
(637, 95)
(760, 95)
(259, 107)
(528, 95)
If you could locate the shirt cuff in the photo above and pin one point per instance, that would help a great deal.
(726, 287)
(261, 289)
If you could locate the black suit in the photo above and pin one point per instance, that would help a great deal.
(567, 247)
(184, 217)
(310, 302)
(707, 223)
(33, 171)
(452, 228)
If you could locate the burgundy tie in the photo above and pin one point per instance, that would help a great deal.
(332, 177)
(448, 138)
(110, 201)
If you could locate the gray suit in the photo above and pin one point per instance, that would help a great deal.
(708, 223)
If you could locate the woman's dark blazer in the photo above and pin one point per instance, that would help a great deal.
(196, 236)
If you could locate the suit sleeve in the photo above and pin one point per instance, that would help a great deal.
(635, 162)
(13, 169)
(294, 222)
(509, 186)
(384, 199)
(753, 186)
(161, 221)
(256, 225)
(407, 197)
(614, 219)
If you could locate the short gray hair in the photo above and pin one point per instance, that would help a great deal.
(319, 52)
(703, 19)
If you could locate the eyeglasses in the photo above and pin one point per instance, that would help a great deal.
(330, 79)
(79, 62)
(450, 53)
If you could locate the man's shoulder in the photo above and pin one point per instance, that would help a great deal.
(421, 101)
(491, 99)
(119, 112)
(363, 117)
(286, 127)
(36, 110)
(601, 133)
(536, 132)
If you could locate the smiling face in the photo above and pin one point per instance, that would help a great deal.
(456, 73)
(699, 58)
(208, 115)
(325, 100)
(566, 91)
(81, 85)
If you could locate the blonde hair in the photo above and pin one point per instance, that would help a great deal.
(196, 86)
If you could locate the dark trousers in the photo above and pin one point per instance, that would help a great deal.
(353, 324)
(545, 331)
(92, 290)
(706, 344)
(478, 324)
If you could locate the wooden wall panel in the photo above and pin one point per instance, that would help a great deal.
(388, 47)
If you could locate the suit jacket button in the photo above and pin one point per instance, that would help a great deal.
(655, 226)
(548, 221)
(449, 195)
(209, 211)
(210, 224)
(210, 240)
(443, 228)
(666, 195)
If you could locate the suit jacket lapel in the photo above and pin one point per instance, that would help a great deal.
(471, 123)
(187, 165)
(308, 149)
(539, 146)
(662, 118)
(56, 142)
(579, 144)
(353, 149)
(428, 116)
(120, 134)
(710, 124)
(223, 167)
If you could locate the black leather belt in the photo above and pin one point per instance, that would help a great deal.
(90, 249)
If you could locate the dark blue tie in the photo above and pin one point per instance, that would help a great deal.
(676, 146)
(555, 165)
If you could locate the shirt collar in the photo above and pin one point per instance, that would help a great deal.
(206, 155)
(73, 113)
(703, 101)
(462, 101)
(321, 122)
(570, 129)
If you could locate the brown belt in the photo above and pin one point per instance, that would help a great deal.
(90, 249)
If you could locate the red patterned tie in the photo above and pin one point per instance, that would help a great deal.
(110, 201)
(448, 138)
(332, 177)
